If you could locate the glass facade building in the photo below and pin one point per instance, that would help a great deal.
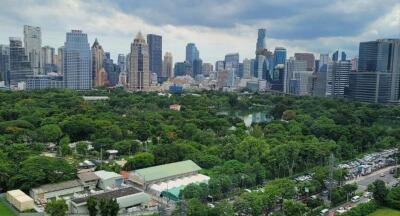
(155, 53)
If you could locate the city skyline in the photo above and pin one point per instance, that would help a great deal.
(234, 30)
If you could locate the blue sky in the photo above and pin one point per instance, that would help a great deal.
(216, 26)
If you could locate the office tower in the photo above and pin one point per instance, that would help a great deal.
(197, 67)
(60, 61)
(122, 62)
(207, 68)
(246, 69)
(261, 40)
(291, 67)
(77, 61)
(112, 70)
(4, 63)
(354, 64)
(261, 67)
(192, 53)
(155, 54)
(139, 73)
(167, 66)
(97, 65)
(45, 82)
(180, 69)
(323, 60)
(219, 65)
(279, 56)
(343, 57)
(33, 46)
(232, 62)
(308, 57)
(48, 60)
(323, 80)
(278, 78)
(301, 83)
(340, 77)
(335, 56)
(20, 66)
(378, 76)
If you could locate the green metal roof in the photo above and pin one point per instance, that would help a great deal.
(167, 170)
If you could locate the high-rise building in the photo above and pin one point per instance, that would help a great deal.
(301, 83)
(112, 70)
(33, 47)
(291, 67)
(343, 57)
(139, 73)
(122, 62)
(48, 60)
(247, 68)
(98, 76)
(20, 66)
(335, 56)
(180, 69)
(155, 54)
(354, 64)
(197, 67)
(308, 57)
(378, 70)
(77, 61)
(60, 61)
(340, 77)
(323, 60)
(192, 53)
(261, 40)
(207, 68)
(219, 65)
(232, 66)
(323, 80)
(279, 56)
(167, 65)
(4, 63)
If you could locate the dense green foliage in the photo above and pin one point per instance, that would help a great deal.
(56, 207)
(207, 130)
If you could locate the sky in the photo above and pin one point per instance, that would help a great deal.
(217, 27)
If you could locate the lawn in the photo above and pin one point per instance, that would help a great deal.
(4, 210)
(386, 212)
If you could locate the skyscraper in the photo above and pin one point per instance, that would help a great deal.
(112, 70)
(378, 75)
(33, 47)
(139, 73)
(207, 68)
(308, 57)
(323, 60)
(20, 66)
(122, 62)
(60, 62)
(192, 53)
(219, 65)
(167, 66)
(4, 63)
(77, 61)
(197, 67)
(155, 54)
(292, 66)
(279, 56)
(48, 60)
(246, 69)
(335, 56)
(340, 77)
(261, 40)
(97, 65)
(343, 57)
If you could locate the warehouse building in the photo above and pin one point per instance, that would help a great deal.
(168, 179)
(59, 190)
(127, 198)
(109, 179)
(19, 200)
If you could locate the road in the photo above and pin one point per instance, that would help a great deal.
(364, 181)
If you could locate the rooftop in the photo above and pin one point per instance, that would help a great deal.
(102, 174)
(167, 170)
(109, 195)
(57, 186)
(87, 176)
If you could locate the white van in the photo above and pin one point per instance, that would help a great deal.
(355, 199)
(324, 212)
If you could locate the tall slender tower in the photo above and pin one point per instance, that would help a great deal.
(155, 53)
(139, 73)
(20, 66)
(167, 65)
(97, 64)
(33, 47)
(77, 61)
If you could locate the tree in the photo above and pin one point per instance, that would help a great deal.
(92, 206)
(196, 208)
(294, 208)
(139, 160)
(56, 207)
(393, 198)
(103, 206)
(223, 208)
(379, 190)
(82, 148)
(49, 133)
(113, 207)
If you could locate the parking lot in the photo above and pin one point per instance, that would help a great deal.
(364, 181)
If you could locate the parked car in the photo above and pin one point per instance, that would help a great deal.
(382, 174)
(355, 199)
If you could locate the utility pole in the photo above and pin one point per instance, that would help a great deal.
(331, 169)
